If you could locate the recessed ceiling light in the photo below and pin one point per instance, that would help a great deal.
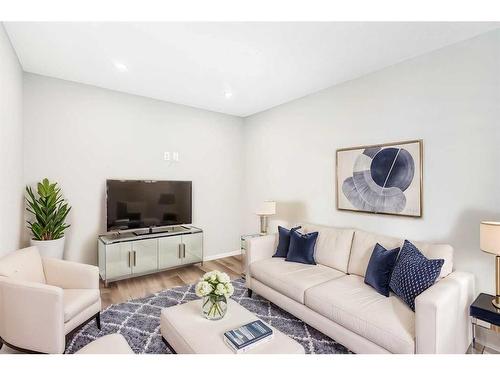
(120, 66)
(228, 94)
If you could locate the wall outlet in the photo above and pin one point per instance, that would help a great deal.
(171, 156)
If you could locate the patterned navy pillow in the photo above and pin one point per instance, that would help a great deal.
(283, 242)
(413, 273)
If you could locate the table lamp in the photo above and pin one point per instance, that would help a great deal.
(267, 208)
(490, 243)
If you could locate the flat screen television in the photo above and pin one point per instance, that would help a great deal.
(132, 204)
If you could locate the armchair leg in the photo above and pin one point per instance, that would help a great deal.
(250, 292)
(1, 343)
(98, 320)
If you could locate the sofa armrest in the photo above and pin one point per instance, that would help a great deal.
(259, 248)
(32, 315)
(442, 322)
(70, 275)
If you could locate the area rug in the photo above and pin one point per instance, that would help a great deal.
(138, 321)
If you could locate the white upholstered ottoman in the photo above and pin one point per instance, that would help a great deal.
(109, 344)
(188, 332)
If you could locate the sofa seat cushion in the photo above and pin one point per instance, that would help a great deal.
(348, 301)
(289, 278)
(77, 300)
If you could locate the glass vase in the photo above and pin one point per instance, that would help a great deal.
(214, 307)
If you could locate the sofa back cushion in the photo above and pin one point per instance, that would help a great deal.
(25, 264)
(364, 242)
(332, 246)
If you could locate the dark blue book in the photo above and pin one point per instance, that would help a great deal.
(248, 335)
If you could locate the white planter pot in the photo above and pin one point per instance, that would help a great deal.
(50, 248)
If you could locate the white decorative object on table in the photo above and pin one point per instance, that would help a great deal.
(215, 287)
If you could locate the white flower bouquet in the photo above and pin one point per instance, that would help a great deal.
(215, 288)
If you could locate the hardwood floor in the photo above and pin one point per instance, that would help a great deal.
(121, 291)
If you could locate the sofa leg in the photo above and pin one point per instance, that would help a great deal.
(250, 292)
(98, 320)
(1, 343)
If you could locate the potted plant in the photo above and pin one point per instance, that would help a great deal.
(50, 210)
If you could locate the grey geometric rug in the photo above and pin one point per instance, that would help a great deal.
(138, 321)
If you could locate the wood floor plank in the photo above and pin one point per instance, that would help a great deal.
(139, 287)
(232, 263)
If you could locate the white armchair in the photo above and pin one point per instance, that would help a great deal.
(43, 299)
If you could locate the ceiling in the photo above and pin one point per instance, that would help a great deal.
(234, 68)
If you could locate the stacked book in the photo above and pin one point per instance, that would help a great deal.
(248, 336)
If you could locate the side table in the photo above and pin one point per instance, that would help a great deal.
(484, 314)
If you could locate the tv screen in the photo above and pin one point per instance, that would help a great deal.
(143, 204)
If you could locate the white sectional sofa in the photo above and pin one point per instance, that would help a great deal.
(333, 298)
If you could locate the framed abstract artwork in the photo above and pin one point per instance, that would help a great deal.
(381, 179)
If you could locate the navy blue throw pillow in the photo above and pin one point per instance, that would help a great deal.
(379, 270)
(413, 273)
(283, 242)
(302, 247)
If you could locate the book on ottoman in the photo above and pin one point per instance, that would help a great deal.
(248, 336)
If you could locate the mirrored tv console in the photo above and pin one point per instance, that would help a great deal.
(138, 252)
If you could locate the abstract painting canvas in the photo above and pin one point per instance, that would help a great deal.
(383, 179)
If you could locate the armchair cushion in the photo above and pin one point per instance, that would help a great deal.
(77, 300)
(24, 264)
(109, 344)
(70, 275)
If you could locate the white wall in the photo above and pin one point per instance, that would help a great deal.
(449, 98)
(11, 151)
(81, 135)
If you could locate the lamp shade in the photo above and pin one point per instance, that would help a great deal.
(267, 208)
(490, 237)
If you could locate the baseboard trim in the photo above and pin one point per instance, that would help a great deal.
(223, 255)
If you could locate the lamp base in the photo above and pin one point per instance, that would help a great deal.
(496, 302)
(263, 225)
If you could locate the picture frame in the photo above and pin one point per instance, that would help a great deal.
(382, 178)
